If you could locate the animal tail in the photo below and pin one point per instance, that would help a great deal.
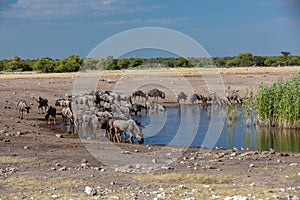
(130, 99)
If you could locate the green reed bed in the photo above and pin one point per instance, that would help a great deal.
(279, 104)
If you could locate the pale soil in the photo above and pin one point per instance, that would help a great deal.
(35, 163)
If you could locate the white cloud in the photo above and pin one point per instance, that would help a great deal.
(49, 9)
(147, 22)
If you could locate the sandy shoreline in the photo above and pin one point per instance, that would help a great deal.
(181, 71)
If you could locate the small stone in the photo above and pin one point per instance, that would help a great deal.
(251, 165)
(90, 191)
(252, 184)
(182, 187)
(62, 169)
(59, 136)
(294, 164)
(125, 152)
(26, 147)
(84, 161)
(233, 154)
(154, 160)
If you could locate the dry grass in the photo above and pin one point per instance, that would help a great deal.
(9, 159)
(162, 71)
(43, 188)
(183, 178)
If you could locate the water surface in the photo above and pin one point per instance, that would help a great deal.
(196, 126)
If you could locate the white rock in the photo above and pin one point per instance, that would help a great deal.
(90, 191)
(182, 187)
(236, 198)
(59, 136)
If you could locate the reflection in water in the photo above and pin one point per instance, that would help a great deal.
(278, 139)
(234, 134)
(178, 126)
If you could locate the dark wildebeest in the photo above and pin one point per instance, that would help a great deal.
(135, 108)
(23, 108)
(51, 114)
(198, 97)
(155, 93)
(42, 104)
(139, 93)
(181, 96)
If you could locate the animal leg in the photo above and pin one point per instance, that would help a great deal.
(130, 138)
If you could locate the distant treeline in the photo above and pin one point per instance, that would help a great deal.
(74, 62)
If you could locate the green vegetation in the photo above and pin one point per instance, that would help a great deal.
(279, 104)
(73, 62)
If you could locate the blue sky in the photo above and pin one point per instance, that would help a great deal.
(58, 28)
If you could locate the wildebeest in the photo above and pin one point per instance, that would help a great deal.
(42, 104)
(119, 97)
(195, 97)
(139, 93)
(181, 96)
(198, 97)
(23, 108)
(155, 93)
(154, 106)
(234, 96)
(136, 108)
(215, 99)
(90, 121)
(63, 103)
(51, 114)
(131, 127)
(67, 114)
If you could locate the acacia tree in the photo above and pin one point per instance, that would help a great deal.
(44, 65)
(245, 59)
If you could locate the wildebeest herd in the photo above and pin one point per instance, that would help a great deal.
(112, 113)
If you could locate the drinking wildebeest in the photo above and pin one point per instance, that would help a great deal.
(42, 104)
(181, 96)
(51, 114)
(155, 93)
(234, 96)
(136, 108)
(23, 108)
(130, 126)
(215, 99)
(198, 97)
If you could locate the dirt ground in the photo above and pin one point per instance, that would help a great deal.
(40, 161)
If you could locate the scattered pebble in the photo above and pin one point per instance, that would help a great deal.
(90, 191)
(59, 136)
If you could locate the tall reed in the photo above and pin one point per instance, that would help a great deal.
(279, 104)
